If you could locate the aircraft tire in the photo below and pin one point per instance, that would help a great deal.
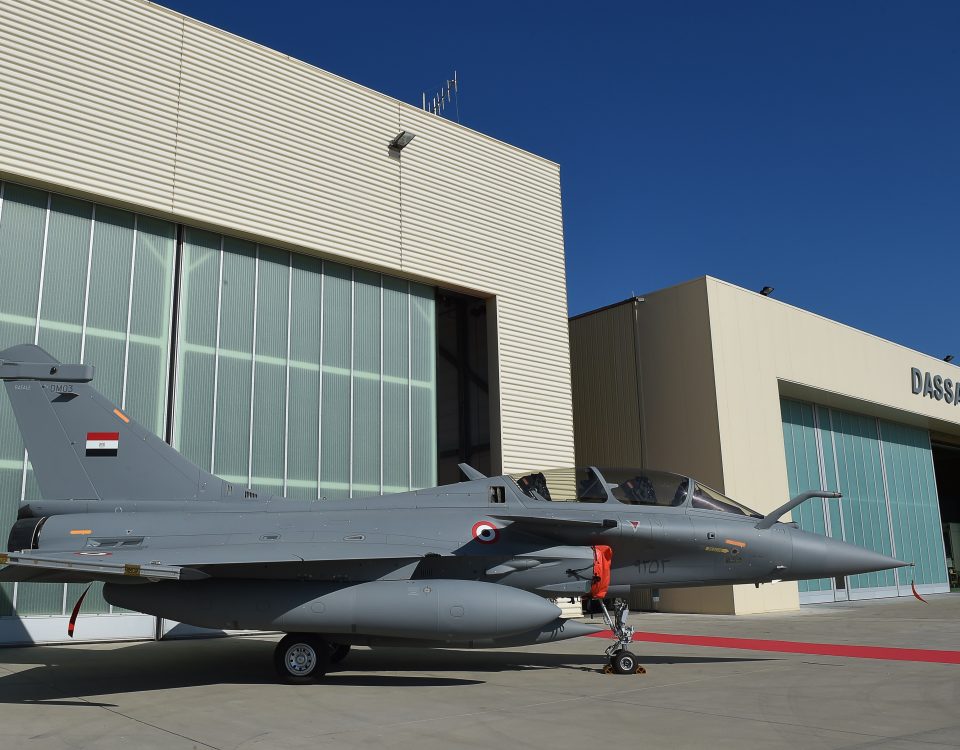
(624, 662)
(338, 652)
(300, 658)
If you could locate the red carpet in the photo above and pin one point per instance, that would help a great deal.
(796, 647)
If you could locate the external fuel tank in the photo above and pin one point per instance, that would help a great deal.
(446, 610)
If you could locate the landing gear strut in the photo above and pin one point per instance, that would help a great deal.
(619, 659)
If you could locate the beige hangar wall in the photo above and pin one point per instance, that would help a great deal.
(763, 347)
(714, 360)
(129, 103)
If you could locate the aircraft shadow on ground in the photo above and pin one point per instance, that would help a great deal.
(55, 675)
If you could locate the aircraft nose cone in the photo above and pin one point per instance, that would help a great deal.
(816, 556)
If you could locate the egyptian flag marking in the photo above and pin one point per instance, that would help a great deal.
(103, 443)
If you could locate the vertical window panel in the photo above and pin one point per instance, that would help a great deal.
(423, 394)
(64, 277)
(303, 429)
(110, 268)
(269, 404)
(396, 437)
(335, 407)
(913, 501)
(396, 387)
(365, 477)
(197, 342)
(231, 459)
(9, 492)
(303, 433)
(235, 361)
(150, 315)
(803, 473)
(830, 473)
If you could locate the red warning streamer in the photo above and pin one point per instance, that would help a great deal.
(602, 557)
(913, 588)
(76, 611)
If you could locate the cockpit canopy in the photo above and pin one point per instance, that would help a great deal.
(628, 486)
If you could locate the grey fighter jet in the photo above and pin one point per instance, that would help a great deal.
(472, 564)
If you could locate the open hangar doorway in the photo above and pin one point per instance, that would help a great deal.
(946, 467)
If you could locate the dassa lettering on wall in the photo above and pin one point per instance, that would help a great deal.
(935, 386)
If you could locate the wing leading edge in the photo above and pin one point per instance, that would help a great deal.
(191, 564)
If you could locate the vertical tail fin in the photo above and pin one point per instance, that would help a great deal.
(84, 447)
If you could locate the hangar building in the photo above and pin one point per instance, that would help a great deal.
(762, 401)
(227, 234)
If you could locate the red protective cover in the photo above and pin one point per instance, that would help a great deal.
(602, 557)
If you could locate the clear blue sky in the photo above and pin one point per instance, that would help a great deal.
(811, 146)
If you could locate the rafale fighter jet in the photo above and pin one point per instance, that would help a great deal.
(472, 564)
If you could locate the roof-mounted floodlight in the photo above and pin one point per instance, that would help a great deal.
(948, 358)
(402, 140)
(766, 291)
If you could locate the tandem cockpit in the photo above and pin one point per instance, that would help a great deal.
(628, 487)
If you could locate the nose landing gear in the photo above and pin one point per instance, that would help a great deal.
(620, 660)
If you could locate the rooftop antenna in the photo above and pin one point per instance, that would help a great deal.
(448, 93)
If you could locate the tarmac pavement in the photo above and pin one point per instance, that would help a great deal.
(221, 693)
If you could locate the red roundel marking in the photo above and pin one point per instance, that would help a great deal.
(485, 532)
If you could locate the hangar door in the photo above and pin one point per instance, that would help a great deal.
(291, 375)
(885, 472)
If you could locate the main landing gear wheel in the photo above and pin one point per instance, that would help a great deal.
(301, 657)
(338, 652)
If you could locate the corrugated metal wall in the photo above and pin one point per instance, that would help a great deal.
(124, 101)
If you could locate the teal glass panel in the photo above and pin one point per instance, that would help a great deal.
(23, 214)
(914, 507)
(10, 479)
(235, 361)
(149, 324)
(861, 482)
(335, 407)
(197, 342)
(109, 285)
(831, 481)
(803, 474)
(64, 277)
(86, 312)
(327, 379)
(270, 387)
(423, 404)
(365, 477)
(396, 386)
(303, 427)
